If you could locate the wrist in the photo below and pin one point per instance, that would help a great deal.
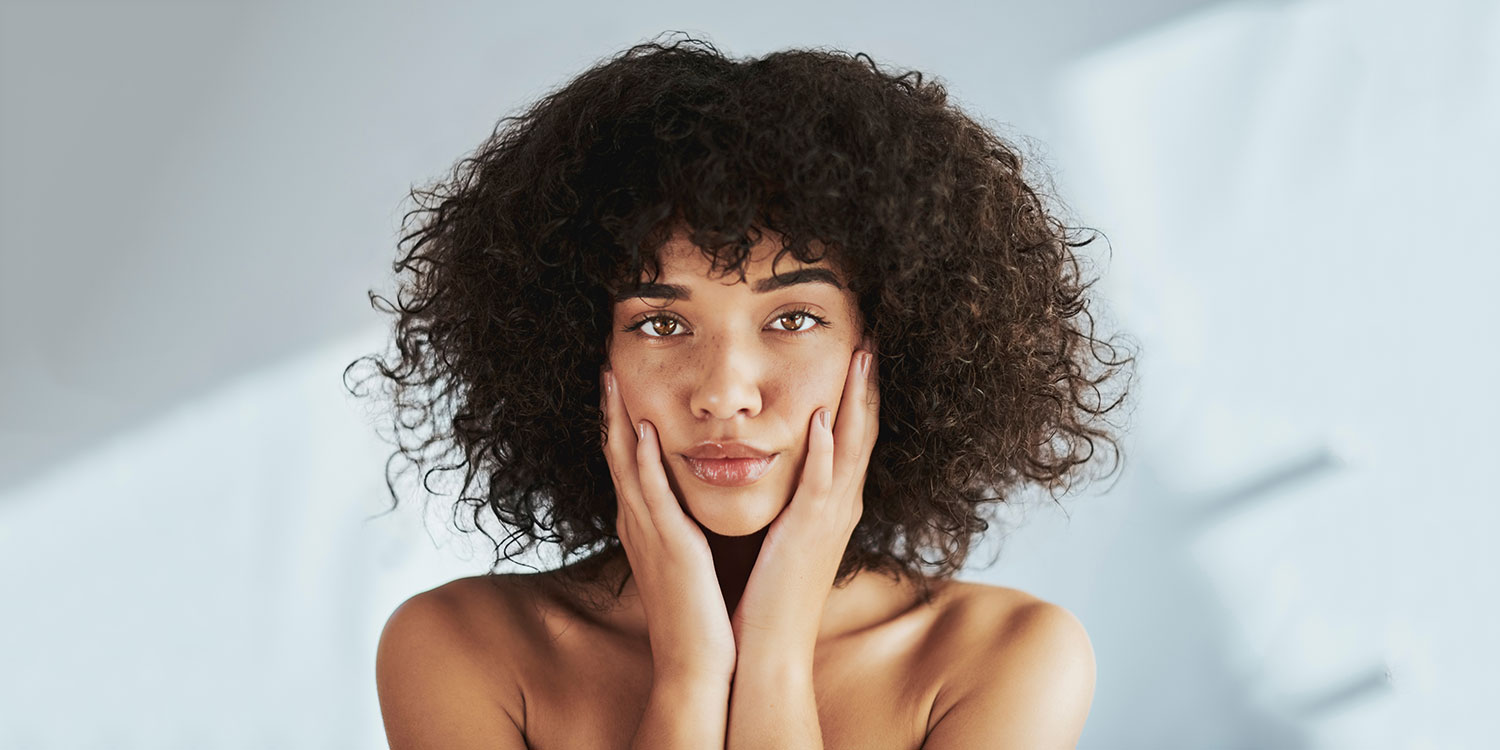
(774, 662)
(690, 678)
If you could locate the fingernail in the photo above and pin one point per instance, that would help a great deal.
(641, 429)
(864, 363)
(823, 418)
(609, 384)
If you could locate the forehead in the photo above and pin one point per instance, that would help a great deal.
(683, 266)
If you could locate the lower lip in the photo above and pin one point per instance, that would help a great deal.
(730, 472)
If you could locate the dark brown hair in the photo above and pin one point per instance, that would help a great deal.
(965, 278)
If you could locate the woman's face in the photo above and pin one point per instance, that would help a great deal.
(725, 361)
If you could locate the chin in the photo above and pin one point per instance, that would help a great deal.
(739, 511)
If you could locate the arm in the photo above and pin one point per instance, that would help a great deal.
(433, 694)
(683, 712)
(1044, 698)
(771, 703)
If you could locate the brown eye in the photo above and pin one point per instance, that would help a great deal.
(798, 319)
(655, 327)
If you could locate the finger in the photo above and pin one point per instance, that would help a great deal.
(852, 427)
(622, 435)
(619, 451)
(817, 470)
(871, 398)
(872, 404)
(656, 493)
(872, 374)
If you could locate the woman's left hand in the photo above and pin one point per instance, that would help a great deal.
(782, 605)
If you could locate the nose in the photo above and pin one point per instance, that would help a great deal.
(727, 383)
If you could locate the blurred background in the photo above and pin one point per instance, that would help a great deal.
(1297, 196)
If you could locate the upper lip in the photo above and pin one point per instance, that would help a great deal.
(725, 449)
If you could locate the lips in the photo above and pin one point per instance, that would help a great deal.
(730, 472)
(725, 449)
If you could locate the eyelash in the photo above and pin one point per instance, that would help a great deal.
(804, 312)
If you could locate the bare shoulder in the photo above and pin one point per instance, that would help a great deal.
(442, 667)
(473, 611)
(1021, 672)
(1009, 618)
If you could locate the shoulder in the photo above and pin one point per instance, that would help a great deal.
(1009, 622)
(1022, 674)
(443, 666)
(467, 611)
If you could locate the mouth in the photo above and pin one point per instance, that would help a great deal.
(730, 472)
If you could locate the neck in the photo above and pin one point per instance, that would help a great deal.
(734, 558)
(849, 608)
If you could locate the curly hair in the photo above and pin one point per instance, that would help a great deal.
(965, 279)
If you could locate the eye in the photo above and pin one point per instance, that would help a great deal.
(666, 325)
(799, 318)
(661, 326)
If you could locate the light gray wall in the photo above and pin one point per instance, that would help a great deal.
(194, 199)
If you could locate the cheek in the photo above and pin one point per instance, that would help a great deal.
(649, 386)
(817, 382)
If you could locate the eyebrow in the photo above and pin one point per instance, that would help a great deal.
(679, 292)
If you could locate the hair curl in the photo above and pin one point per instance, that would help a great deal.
(966, 281)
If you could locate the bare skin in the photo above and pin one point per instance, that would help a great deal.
(567, 676)
(734, 584)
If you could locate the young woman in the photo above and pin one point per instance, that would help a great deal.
(754, 339)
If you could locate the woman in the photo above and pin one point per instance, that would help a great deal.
(754, 336)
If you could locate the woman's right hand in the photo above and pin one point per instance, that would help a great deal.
(690, 632)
